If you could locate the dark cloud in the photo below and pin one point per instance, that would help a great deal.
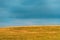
(29, 12)
(31, 8)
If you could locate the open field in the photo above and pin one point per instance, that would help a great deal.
(30, 33)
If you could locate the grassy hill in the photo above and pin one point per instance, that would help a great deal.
(30, 33)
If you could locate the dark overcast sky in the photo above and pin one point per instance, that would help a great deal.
(29, 9)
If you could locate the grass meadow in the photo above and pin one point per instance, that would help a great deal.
(30, 33)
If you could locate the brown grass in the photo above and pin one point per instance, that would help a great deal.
(30, 33)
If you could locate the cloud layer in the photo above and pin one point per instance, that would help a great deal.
(21, 12)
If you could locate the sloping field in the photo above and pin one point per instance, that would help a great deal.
(30, 33)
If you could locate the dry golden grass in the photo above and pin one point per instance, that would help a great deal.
(30, 33)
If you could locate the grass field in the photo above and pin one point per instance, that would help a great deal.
(30, 33)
